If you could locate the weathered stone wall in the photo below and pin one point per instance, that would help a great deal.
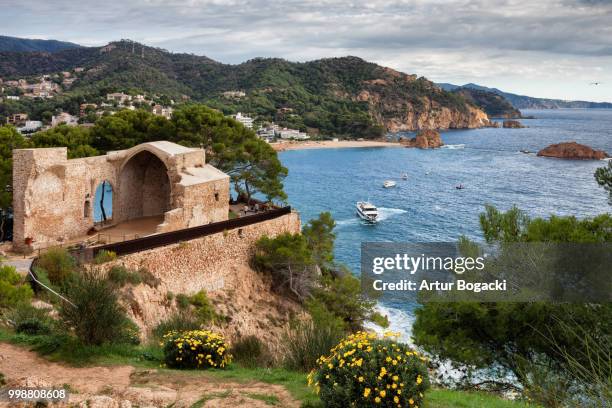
(218, 264)
(52, 194)
(53, 197)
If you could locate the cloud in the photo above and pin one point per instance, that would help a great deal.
(490, 39)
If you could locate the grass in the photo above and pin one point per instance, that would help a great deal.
(267, 398)
(293, 381)
(207, 397)
(442, 398)
(65, 349)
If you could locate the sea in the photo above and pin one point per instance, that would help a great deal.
(427, 207)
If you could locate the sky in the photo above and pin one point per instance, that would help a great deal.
(542, 48)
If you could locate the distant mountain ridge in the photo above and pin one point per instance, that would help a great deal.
(529, 102)
(334, 96)
(15, 44)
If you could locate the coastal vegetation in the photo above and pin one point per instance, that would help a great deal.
(558, 354)
(493, 104)
(364, 371)
(341, 97)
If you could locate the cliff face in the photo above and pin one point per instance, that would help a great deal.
(425, 139)
(572, 150)
(401, 102)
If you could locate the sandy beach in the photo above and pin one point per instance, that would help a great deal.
(331, 144)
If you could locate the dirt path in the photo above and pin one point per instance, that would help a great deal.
(125, 386)
(18, 364)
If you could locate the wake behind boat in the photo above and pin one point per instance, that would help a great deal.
(367, 211)
(389, 184)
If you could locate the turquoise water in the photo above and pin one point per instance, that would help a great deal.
(107, 203)
(427, 207)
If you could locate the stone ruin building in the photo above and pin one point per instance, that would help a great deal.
(167, 185)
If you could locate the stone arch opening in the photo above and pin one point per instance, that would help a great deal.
(144, 187)
(103, 202)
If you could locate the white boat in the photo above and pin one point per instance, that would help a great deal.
(389, 184)
(404, 176)
(367, 211)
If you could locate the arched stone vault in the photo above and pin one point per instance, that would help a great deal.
(156, 179)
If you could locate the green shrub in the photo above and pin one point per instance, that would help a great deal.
(25, 311)
(122, 276)
(306, 341)
(178, 322)
(148, 278)
(12, 288)
(250, 352)
(196, 349)
(364, 371)
(96, 316)
(58, 264)
(129, 333)
(379, 319)
(205, 311)
(33, 326)
(104, 256)
(182, 301)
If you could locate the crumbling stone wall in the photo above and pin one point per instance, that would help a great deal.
(218, 264)
(53, 197)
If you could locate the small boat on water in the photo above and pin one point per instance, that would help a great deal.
(367, 211)
(389, 184)
(404, 176)
(460, 187)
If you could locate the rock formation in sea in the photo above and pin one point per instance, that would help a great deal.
(513, 124)
(572, 150)
(425, 139)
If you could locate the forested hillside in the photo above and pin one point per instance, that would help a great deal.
(338, 96)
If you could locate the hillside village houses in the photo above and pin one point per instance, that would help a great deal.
(234, 94)
(17, 119)
(64, 118)
(30, 126)
(247, 121)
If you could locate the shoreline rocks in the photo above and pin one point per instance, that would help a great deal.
(425, 139)
(512, 124)
(572, 150)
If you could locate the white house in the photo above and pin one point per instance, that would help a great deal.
(65, 118)
(245, 120)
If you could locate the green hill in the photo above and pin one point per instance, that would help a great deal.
(493, 104)
(29, 45)
(337, 96)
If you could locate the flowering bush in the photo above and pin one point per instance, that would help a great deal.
(364, 371)
(195, 349)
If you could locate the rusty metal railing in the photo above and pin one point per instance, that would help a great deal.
(172, 237)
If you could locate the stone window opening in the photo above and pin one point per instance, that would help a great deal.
(216, 196)
(240, 233)
(86, 209)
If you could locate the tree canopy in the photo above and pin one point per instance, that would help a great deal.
(519, 336)
(252, 163)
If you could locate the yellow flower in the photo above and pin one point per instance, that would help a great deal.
(360, 379)
(411, 401)
(383, 393)
(366, 392)
(396, 399)
(395, 378)
(377, 400)
(419, 379)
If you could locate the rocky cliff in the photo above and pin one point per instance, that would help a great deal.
(402, 102)
(425, 139)
(512, 124)
(572, 150)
